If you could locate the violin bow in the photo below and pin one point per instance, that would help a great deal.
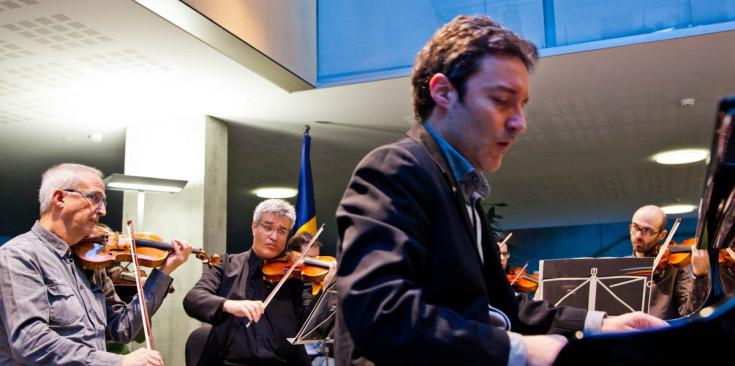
(663, 248)
(505, 240)
(139, 287)
(290, 270)
(519, 274)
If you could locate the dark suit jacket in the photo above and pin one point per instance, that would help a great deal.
(676, 293)
(229, 280)
(412, 289)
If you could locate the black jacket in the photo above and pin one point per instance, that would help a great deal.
(412, 289)
(266, 340)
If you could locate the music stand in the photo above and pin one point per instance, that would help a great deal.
(613, 285)
(319, 325)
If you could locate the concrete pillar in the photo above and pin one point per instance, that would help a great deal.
(196, 151)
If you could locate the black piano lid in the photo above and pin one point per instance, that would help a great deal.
(720, 176)
(708, 335)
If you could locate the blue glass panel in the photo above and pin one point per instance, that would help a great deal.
(525, 17)
(378, 36)
(712, 11)
(368, 40)
(593, 20)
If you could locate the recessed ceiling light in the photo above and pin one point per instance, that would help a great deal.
(678, 209)
(95, 137)
(687, 102)
(67, 138)
(275, 192)
(683, 156)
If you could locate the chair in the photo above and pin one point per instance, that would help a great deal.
(195, 344)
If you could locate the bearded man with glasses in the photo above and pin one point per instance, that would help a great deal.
(230, 298)
(675, 292)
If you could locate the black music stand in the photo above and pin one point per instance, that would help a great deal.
(614, 285)
(319, 326)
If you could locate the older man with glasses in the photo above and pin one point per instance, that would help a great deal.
(230, 297)
(675, 292)
(52, 312)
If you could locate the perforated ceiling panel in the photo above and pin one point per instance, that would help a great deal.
(58, 32)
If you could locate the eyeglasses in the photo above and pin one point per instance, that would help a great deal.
(505, 254)
(95, 198)
(646, 231)
(268, 230)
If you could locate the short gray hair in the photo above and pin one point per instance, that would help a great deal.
(61, 176)
(276, 206)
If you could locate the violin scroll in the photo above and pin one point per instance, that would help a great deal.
(210, 261)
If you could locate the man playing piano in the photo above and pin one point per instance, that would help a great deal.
(419, 277)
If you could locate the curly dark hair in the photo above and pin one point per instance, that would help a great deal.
(456, 50)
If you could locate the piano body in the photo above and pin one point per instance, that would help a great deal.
(707, 336)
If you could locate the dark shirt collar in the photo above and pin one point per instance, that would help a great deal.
(473, 185)
(253, 259)
(255, 263)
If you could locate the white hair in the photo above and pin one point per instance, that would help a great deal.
(61, 176)
(276, 206)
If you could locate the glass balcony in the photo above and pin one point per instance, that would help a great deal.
(361, 41)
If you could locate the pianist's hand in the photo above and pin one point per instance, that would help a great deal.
(542, 350)
(631, 322)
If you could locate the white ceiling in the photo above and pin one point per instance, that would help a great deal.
(72, 68)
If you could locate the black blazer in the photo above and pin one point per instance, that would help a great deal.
(411, 286)
(229, 280)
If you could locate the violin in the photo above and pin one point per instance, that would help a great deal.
(103, 247)
(309, 269)
(284, 271)
(680, 255)
(727, 257)
(677, 255)
(521, 281)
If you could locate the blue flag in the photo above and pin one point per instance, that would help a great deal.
(305, 210)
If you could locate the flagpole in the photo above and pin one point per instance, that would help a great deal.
(305, 211)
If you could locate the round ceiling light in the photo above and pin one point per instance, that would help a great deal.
(678, 209)
(275, 192)
(95, 137)
(683, 156)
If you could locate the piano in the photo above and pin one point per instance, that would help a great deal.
(707, 336)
